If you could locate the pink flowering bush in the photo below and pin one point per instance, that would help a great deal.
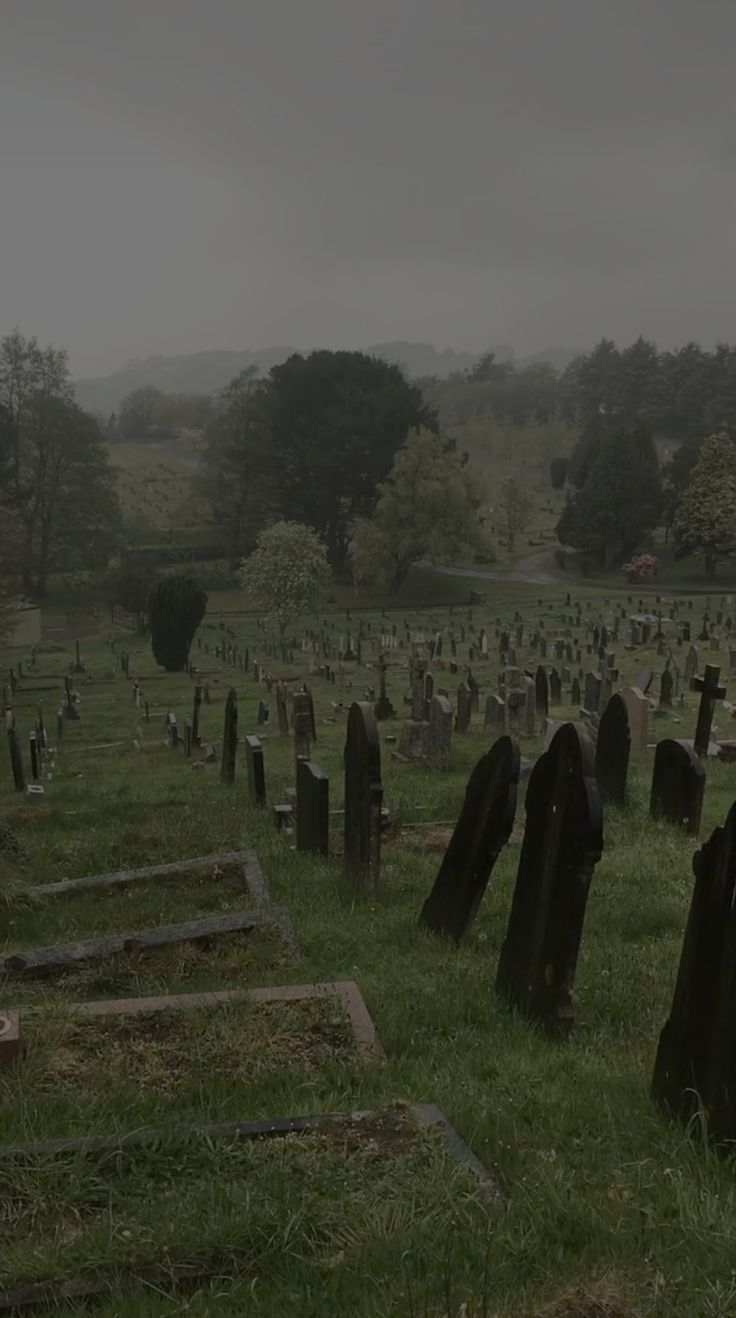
(642, 567)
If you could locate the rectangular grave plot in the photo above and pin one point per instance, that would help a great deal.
(65, 958)
(156, 1049)
(188, 869)
(399, 1153)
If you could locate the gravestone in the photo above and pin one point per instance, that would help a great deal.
(363, 797)
(312, 808)
(282, 707)
(439, 736)
(529, 706)
(302, 718)
(563, 841)
(383, 708)
(16, 758)
(262, 714)
(612, 751)
(678, 784)
(541, 691)
(555, 689)
(196, 739)
(462, 719)
(230, 737)
(666, 689)
(644, 680)
(592, 692)
(482, 830)
(495, 714)
(710, 689)
(695, 1069)
(575, 692)
(255, 770)
(637, 708)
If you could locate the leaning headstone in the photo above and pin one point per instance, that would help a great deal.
(637, 708)
(482, 830)
(363, 797)
(644, 680)
(230, 737)
(439, 734)
(255, 770)
(563, 841)
(678, 784)
(312, 808)
(711, 689)
(695, 1071)
(613, 746)
(462, 719)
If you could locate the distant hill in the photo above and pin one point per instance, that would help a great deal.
(205, 372)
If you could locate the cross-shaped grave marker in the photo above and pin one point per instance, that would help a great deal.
(711, 690)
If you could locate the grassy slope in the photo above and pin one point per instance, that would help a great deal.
(601, 1191)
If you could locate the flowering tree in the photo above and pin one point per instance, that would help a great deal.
(641, 568)
(287, 574)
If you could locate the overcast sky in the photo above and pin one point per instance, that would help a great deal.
(179, 175)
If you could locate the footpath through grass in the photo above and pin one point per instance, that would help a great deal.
(606, 1203)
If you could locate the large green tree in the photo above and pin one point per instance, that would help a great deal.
(56, 486)
(138, 411)
(431, 506)
(336, 421)
(705, 522)
(237, 464)
(620, 502)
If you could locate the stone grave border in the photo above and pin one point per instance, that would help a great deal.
(344, 992)
(428, 1116)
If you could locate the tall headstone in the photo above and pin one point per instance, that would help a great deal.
(16, 758)
(541, 691)
(482, 830)
(439, 736)
(282, 707)
(383, 708)
(363, 797)
(612, 750)
(312, 808)
(462, 718)
(637, 708)
(695, 1069)
(563, 841)
(196, 738)
(678, 785)
(255, 770)
(230, 737)
(711, 689)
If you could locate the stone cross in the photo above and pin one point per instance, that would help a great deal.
(711, 690)
(482, 830)
(563, 841)
(363, 798)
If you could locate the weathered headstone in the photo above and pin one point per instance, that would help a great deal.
(555, 688)
(462, 719)
(695, 1070)
(711, 689)
(637, 708)
(383, 708)
(255, 770)
(495, 715)
(439, 736)
(282, 707)
(644, 680)
(666, 689)
(16, 758)
(612, 750)
(563, 841)
(230, 737)
(312, 808)
(482, 830)
(678, 784)
(541, 691)
(363, 797)
(196, 739)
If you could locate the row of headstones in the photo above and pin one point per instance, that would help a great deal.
(695, 1067)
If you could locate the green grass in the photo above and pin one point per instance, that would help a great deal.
(605, 1199)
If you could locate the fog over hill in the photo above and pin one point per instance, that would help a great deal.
(205, 372)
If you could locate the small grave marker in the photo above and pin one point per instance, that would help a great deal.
(678, 785)
(312, 808)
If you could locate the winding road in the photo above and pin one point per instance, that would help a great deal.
(528, 569)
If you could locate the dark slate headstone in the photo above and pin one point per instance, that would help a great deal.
(196, 737)
(482, 830)
(495, 714)
(666, 689)
(439, 733)
(230, 737)
(255, 770)
(555, 689)
(541, 691)
(312, 808)
(563, 841)
(612, 751)
(16, 758)
(678, 784)
(575, 692)
(695, 1070)
(363, 797)
(464, 700)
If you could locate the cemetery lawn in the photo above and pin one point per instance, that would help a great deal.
(609, 1210)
